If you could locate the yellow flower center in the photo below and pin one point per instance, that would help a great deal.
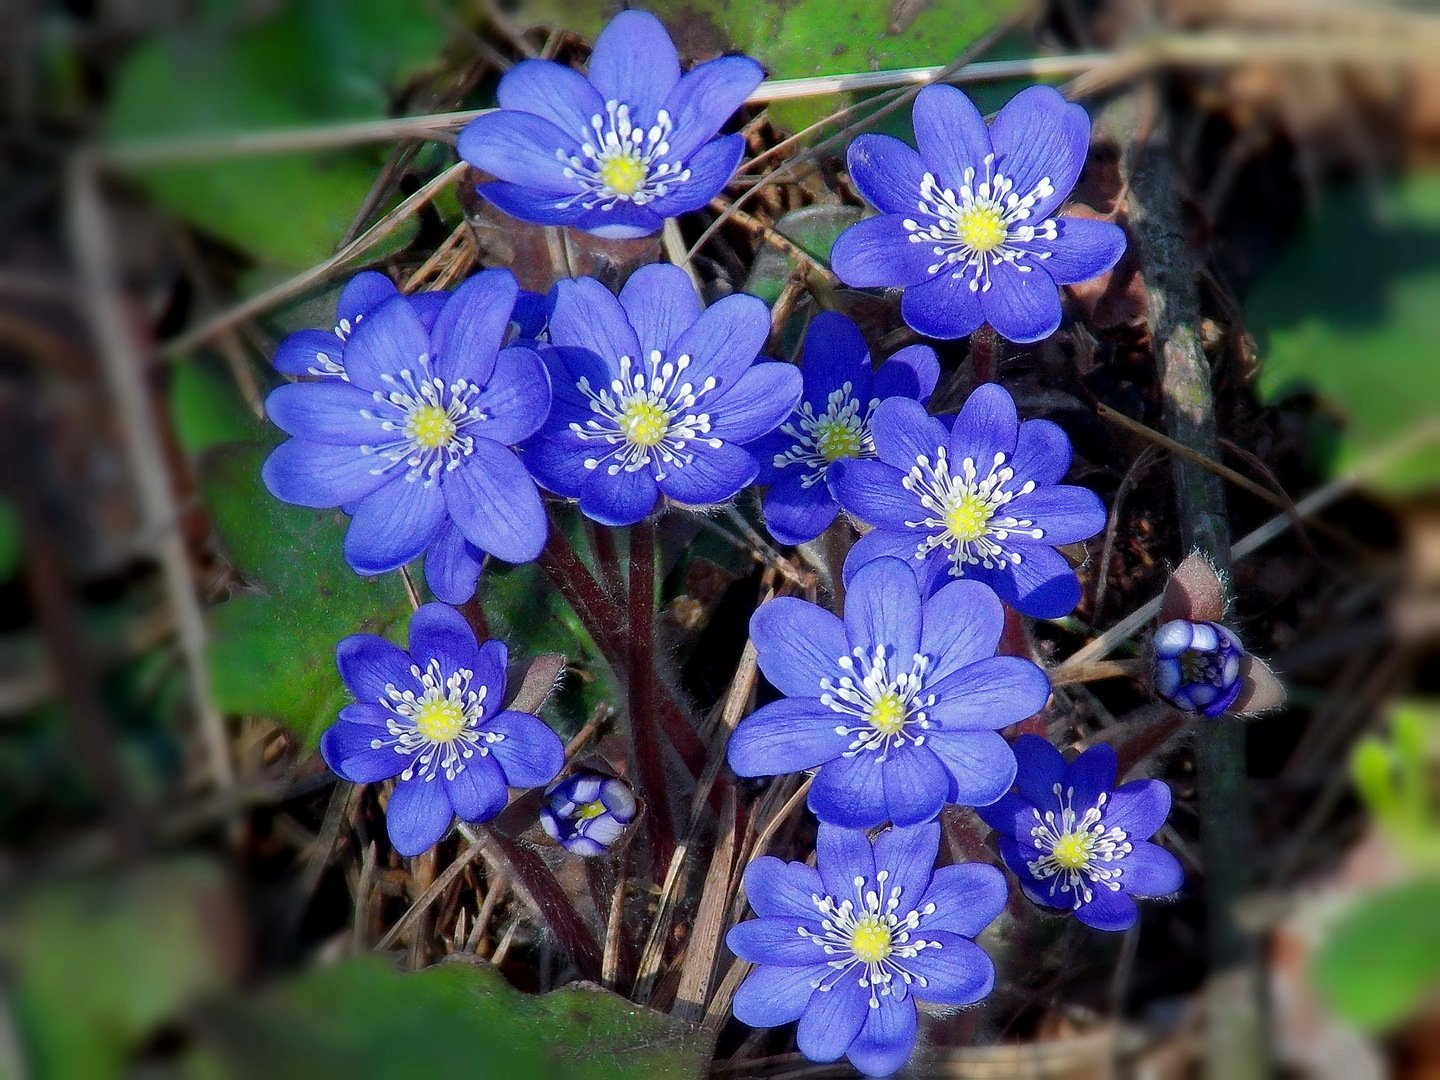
(1072, 851)
(440, 721)
(887, 715)
(836, 440)
(870, 940)
(590, 810)
(968, 517)
(623, 175)
(981, 227)
(430, 426)
(644, 423)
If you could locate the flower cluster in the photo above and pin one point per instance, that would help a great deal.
(587, 812)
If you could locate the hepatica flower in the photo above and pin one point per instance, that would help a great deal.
(848, 947)
(415, 440)
(587, 812)
(982, 500)
(968, 225)
(654, 396)
(1078, 843)
(617, 152)
(897, 706)
(432, 716)
(1198, 666)
(832, 422)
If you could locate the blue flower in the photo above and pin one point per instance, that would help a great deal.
(849, 946)
(587, 812)
(414, 441)
(896, 706)
(832, 422)
(618, 152)
(1078, 843)
(967, 225)
(654, 396)
(1198, 666)
(982, 500)
(432, 716)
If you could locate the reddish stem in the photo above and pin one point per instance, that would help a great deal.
(644, 729)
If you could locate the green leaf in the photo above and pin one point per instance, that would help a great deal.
(1352, 312)
(207, 408)
(12, 540)
(272, 653)
(457, 1019)
(1384, 956)
(814, 229)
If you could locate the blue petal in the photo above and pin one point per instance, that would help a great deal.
(438, 632)
(904, 433)
(725, 340)
(757, 403)
(495, 504)
(428, 305)
(328, 412)
(516, 401)
(1038, 134)
(835, 353)
(419, 814)
(785, 736)
(772, 995)
(490, 660)
(873, 491)
(850, 792)
(472, 325)
(959, 972)
(620, 221)
(1042, 586)
(991, 693)
(1139, 808)
(1046, 893)
(587, 316)
(552, 91)
(388, 340)
(887, 1040)
(362, 294)
(1083, 249)
(367, 714)
(520, 148)
(1065, 514)
(1150, 870)
(778, 888)
(962, 625)
(987, 425)
(981, 764)
(916, 784)
(1010, 815)
(776, 941)
(478, 791)
(911, 372)
(794, 513)
(1022, 305)
(951, 135)
(968, 897)
(531, 313)
(706, 97)
(346, 749)
(712, 475)
(887, 172)
(306, 352)
(879, 543)
(882, 607)
(393, 525)
(1041, 768)
(369, 664)
(660, 301)
(634, 62)
(452, 565)
(557, 462)
(909, 856)
(622, 499)
(1042, 453)
(530, 754)
(711, 168)
(536, 207)
(943, 307)
(1113, 911)
(879, 253)
(832, 1019)
(798, 644)
(842, 855)
(1091, 775)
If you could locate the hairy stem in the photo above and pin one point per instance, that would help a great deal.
(644, 725)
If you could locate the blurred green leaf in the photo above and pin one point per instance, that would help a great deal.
(1352, 312)
(207, 408)
(814, 229)
(364, 1018)
(273, 653)
(12, 541)
(1375, 966)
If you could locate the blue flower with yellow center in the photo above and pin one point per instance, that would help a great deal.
(587, 812)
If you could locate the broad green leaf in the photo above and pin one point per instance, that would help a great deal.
(207, 408)
(1352, 313)
(12, 540)
(363, 1018)
(814, 229)
(1384, 957)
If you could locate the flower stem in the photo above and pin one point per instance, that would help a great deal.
(644, 727)
(984, 350)
(609, 560)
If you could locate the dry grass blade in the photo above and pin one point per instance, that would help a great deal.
(709, 924)
(428, 897)
(540, 679)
